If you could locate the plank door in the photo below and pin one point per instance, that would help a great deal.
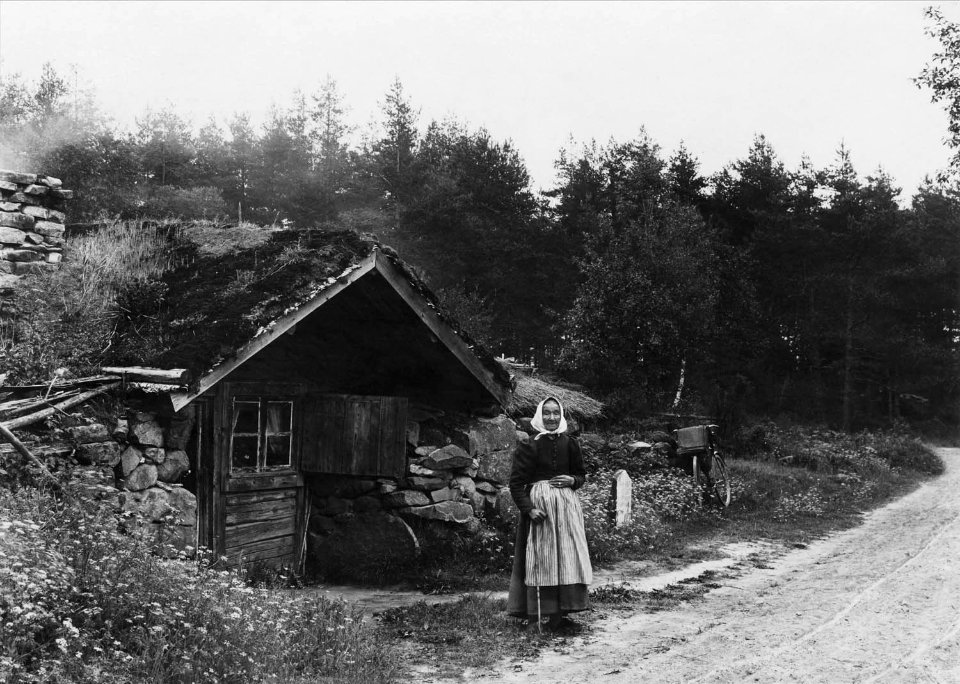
(261, 490)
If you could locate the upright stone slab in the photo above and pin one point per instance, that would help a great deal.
(622, 498)
(496, 466)
(489, 435)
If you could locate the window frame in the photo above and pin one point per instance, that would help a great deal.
(263, 403)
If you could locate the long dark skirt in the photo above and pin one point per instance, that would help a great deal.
(554, 600)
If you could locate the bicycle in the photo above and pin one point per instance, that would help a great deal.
(708, 466)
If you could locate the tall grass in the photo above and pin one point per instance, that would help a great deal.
(66, 318)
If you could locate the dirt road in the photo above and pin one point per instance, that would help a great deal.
(878, 603)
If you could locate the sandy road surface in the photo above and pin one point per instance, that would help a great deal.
(878, 603)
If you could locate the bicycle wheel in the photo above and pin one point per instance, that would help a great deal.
(721, 481)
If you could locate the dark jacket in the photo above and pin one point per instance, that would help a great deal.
(541, 459)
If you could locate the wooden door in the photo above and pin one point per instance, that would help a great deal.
(259, 517)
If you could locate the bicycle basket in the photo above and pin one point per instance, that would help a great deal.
(693, 439)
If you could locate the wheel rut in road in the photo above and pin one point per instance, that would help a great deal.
(876, 603)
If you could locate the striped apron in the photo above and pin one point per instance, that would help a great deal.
(557, 551)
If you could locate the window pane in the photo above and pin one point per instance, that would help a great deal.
(278, 416)
(244, 456)
(246, 417)
(278, 450)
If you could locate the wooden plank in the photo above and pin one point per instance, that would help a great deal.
(280, 547)
(322, 443)
(238, 500)
(444, 332)
(251, 533)
(262, 512)
(204, 475)
(279, 327)
(258, 481)
(167, 376)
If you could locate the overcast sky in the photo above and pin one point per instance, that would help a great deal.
(808, 75)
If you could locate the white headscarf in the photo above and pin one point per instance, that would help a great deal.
(537, 422)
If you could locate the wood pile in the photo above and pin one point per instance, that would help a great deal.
(31, 223)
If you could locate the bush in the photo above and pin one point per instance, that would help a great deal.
(66, 318)
(81, 602)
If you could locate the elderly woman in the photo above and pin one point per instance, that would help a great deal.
(551, 568)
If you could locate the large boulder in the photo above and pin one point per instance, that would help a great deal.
(185, 503)
(181, 537)
(130, 459)
(494, 434)
(142, 477)
(152, 504)
(174, 466)
(450, 457)
(446, 511)
(145, 430)
(405, 498)
(496, 466)
(363, 544)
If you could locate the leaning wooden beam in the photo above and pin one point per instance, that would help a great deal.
(25, 452)
(10, 409)
(166, 376)
(59, 406)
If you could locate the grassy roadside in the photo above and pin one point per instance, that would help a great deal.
(793, 486)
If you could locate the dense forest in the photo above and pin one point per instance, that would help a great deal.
(819, 294)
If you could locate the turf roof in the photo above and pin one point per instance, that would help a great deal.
(205, 310)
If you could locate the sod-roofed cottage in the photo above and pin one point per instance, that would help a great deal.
(315, 358)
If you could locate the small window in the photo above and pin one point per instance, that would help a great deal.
(262, 435)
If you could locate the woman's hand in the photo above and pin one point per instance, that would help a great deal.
(536, 515)
(562, 481)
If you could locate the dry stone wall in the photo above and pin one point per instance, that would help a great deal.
(456, 477)
(32, 221)
(146, 461)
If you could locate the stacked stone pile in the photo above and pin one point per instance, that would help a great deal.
(31, 222)
(454, 477)
(147, 461)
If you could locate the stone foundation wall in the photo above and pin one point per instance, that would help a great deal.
(146, 461)
(31, 223)
(456, 477)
